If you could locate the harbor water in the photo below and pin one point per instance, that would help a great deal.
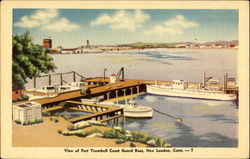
(205, 123)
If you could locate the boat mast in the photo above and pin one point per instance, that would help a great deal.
(204, 78)
(223, 88)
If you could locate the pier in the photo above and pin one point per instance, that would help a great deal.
(98, 112)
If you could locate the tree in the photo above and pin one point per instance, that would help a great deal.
(28, 60)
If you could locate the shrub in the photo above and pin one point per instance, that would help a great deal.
(38, 120)
(80, 133)
(95, 131)
(56, 120)
(66, 117)
(56, 114)
(120, 141)
(157, 142)
(138, 136)
(59, 131)
(111, 134)
(25, 123)
(30, 123)
(23, 97)
(51, 119)
(132, 144)
(70, 127)
(46, 113)
(18, 122)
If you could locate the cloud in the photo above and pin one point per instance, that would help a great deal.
(46, 19)
(61, 25)
(40, 17)
(122, 20)
(173, 26)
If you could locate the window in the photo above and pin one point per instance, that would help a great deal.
(16, 92)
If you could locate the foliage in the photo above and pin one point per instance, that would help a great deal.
(59, 131)
(56, 114)
(70, 127)
(23, 97)
(132, 144)
(66, 117)
(29, 59)
(56, 120)
(81, 133)
(120, 141)
(112, 133)
(36, 121)
(18, 122)
(46, 113)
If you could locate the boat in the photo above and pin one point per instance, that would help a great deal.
(179, 88)
(131, 109)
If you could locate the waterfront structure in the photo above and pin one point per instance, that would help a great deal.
(47, 43)
(26, 112)
(68, 51)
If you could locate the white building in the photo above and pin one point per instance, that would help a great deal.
(27, 112)
(113, 78)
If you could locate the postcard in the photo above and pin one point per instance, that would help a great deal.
(126, 79)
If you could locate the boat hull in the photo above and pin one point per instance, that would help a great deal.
(158, 90)
(141, 114)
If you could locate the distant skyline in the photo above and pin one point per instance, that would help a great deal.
(72, 27)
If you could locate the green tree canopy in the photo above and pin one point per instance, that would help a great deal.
(28, 60)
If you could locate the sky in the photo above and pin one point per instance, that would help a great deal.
(72, 27)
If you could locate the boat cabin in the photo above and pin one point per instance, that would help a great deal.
(231, 82)
(78, 84)
(179, 84)
(214, 81)
(48, 89)
(64, 88)
(132, 103)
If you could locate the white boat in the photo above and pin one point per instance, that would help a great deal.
(131, 109)
(179, 89)
(57, 88)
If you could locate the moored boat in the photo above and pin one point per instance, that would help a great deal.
(131, 109)
(179, 89)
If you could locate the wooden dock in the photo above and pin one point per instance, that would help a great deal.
(103, 116)
(98, 112)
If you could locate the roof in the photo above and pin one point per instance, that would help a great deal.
(113, 74)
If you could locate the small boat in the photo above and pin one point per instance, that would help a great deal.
(132, 109)
(179, 88)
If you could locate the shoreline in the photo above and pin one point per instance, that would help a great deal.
(45, 135)
(145, 50)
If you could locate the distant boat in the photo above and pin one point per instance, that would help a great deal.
(179, 89)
